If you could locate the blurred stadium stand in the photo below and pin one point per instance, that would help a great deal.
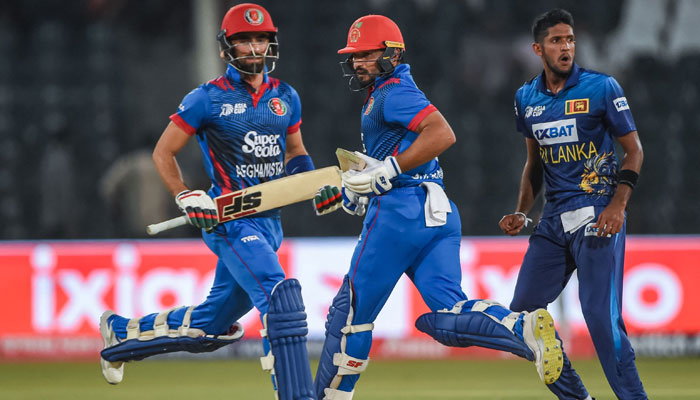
(86, 85)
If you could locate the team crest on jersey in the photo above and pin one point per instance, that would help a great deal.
(578, 106)
(254, 16)
(277, 106)
(370, 104)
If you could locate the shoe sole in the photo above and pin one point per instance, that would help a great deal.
(111, 377)
(549, 357)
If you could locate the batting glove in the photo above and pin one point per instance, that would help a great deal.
(198, 207)
(353, 203)
(327, 200)
(376, 177)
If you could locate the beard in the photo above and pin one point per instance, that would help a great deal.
(558, 71)
(255, 67)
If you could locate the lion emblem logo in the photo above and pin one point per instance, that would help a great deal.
(598, 177)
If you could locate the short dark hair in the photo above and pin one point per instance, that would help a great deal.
(547, 20)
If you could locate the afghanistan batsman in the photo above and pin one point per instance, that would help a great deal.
(410, 226)
(247, 124)
(569, 117)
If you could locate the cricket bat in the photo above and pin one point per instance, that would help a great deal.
(349, 160)
(265, 196)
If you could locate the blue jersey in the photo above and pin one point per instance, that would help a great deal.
(575, 130)
(242, 134)
(393, 110)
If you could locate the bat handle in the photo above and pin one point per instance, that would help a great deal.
(165, 225)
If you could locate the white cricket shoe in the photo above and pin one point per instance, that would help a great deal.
(112, 371)
(540, 337)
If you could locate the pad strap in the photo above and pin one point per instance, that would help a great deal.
(357, 328)
(160, 325)
(133, 328)
(335, 394)
(348, 365)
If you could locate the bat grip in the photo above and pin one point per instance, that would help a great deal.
(165, 225)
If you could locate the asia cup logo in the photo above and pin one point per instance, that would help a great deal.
(254, 16)
(354, 34)
(277, 106)
(370, 104)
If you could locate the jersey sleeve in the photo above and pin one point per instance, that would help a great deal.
(407, 106)
(295, 120)
(520, 118)
(193, 111)
(617, 112)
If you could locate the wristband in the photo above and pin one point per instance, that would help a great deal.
(301, 163)
(527, 220)
(627, 177)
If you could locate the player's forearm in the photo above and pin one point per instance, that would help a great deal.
(530, 187)
(169, 171)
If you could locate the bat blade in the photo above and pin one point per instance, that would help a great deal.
(274, 194)
(349, 160)
(265, 196)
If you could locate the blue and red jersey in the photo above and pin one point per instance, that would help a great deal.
(242, 133)
(393, 110)
(575, 129)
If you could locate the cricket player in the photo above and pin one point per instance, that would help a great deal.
(247, 124)
(570, 118)
(410, 226)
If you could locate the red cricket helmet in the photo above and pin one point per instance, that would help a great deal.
(248, 17)
(373, 32)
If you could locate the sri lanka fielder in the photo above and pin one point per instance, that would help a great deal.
(247, 124)
(569, 117)
(410, 226)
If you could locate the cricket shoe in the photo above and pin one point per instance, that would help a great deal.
(112, 371)
(540, 336)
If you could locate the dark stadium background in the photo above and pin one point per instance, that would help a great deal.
(86, 88)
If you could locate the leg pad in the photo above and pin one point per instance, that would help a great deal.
(162, 339)
(462, 327)
(285, 327)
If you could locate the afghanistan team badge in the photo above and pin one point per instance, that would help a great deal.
(354, 34)
(254, 16)
(277, 106)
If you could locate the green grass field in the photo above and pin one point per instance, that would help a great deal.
(204, 380)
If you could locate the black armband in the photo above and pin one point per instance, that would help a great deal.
(627, 177)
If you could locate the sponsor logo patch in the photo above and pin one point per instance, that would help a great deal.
(249, 238)
(562, 131)
(239, 108)
(277, 106)
(226, 109)
(591, 231)
(621, 104)
(261, 145)
(254, 16)
(370, 104)
(578, 106)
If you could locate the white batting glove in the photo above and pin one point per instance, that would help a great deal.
(198, 207)
(376, 177)
(353, 203)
